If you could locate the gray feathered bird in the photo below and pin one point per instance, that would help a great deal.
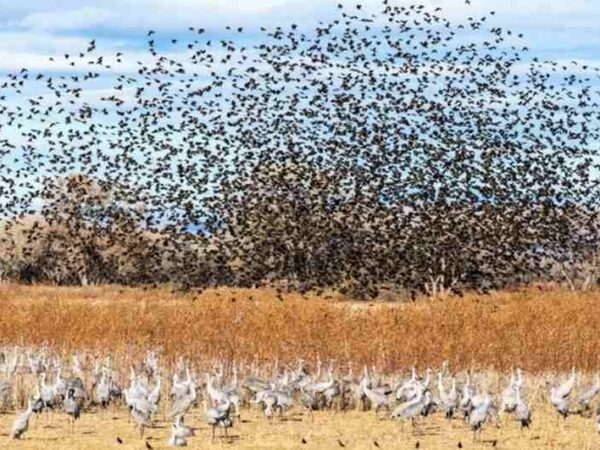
(72, 406)
(219, 416)
(21, 423)
(179, 433)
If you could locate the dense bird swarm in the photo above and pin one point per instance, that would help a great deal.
(388, 148)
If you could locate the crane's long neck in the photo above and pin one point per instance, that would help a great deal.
(427, 378)
(441, 387)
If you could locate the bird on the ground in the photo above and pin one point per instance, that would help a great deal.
(586, 397)
(559, 395)
(72, 406)
(522, 411)
(219, 416)
(21, 423)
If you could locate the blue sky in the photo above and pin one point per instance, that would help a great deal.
(31, 30)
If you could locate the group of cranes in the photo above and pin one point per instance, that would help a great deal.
(274, 390)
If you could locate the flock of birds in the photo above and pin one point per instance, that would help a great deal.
(79, 388)
(383, 146)
(390, 147)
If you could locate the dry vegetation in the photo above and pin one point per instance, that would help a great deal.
(535, 329)
(539, 330)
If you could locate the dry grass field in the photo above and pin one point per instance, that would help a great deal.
(535, 329)
(356, 430)
(543, 331)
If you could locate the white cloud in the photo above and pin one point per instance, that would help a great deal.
(75, 19)
(36, 42)
(32, 30)
(69, 15)
(159, 14)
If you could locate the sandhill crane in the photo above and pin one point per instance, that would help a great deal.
(253, 385)
(233, 393)
(468, 392)
(284, 399)
(449, 399)
(586, 397)
(219, 416)
(136, 388)
(150, 363)
(309, 402)
(180, 433)
(320, 388)
(182, 405)
(180, 388)
(559, 395)
(36, 365)
(115, 390)
(427, 379)
(5, 394)
(38, 403)
(76, 369)
(103, 390)
(331, 394)
(413, 386)
(72, 407)
(407, 390)
(21, 423)
(377, 399)
(96, 373)
(10, 365)
(274, 399)
(141, 419)
(508, 396)
(522, 411)
(269, 401)
(79, 392)
(46, 392)
(413, 408)
(60, 386)
(154, 394)
(141, 409)
(216, 395)
(482, 405)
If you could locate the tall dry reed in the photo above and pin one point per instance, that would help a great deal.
(536, 330)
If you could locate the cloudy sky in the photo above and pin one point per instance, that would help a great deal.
(31, 30)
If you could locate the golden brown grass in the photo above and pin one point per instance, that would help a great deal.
(534, 329)
(540, 331)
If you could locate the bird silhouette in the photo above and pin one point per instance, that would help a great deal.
(349, 155)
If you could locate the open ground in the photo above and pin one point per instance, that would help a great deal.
(356, 430)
